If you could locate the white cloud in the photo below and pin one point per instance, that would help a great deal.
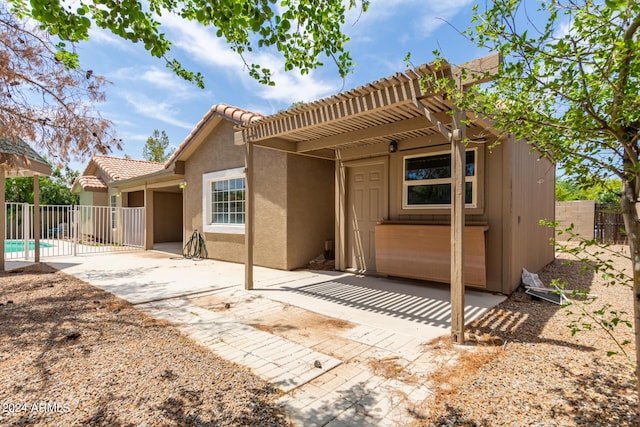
(200, 43)
(290, 86)
(101, 36)
(159, 78)
(161, 111)
(203, 46)
(130, 136)
(563, 30)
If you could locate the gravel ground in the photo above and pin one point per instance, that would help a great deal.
(71, 354)
(536, 373)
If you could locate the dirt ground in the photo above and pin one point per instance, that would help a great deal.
(71, 354)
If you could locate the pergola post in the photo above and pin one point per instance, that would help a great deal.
(458, 190)
(249, 216)
(36, 218)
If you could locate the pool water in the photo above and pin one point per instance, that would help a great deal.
(18, 245)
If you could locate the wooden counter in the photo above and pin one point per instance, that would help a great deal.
(423, 251)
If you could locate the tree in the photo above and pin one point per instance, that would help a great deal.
(42, 100)
(606, 192)
(154, 148)
(300, 30)
(569, 85)
(54, 190)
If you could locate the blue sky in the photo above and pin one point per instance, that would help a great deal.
(144, 95)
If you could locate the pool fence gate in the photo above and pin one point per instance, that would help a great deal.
(72, 230)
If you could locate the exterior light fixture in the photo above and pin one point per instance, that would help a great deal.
(183, 185)
(393, 146)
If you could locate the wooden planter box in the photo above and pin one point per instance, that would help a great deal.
(423, 251)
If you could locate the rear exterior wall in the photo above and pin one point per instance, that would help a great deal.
(310, 212)
(531, 189)
(515, 191)
(217, 153)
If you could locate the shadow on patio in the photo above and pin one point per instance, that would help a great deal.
(420, 303)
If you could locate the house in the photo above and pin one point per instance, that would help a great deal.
(98, 219)
(370, 169)
(391, 145)
(202, 188)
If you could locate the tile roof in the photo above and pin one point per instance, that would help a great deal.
(240, 115)
(235, 114)
(118, 168)
(88, 182)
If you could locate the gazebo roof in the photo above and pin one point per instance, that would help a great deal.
(19, 159)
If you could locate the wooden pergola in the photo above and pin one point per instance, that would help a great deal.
(18, 159)
(396, 108)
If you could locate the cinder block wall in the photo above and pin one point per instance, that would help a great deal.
(580, 213)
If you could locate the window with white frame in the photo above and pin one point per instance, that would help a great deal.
(427, 180)
(113, 202)
(224, 201)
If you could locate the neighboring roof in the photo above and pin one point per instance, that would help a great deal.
(116, 169)
(235, 114)
(22, 159)
(91, 183)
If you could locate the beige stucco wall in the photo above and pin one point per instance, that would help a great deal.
(580, 213)
(167, 217)
(515, 191)
(270, 234)
(532, 198)
(310, 212)
(216, 153)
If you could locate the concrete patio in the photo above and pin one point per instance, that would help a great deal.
(316, 335)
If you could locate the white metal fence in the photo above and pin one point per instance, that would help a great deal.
(72, 230)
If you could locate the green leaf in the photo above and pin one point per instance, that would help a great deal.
(616, 4)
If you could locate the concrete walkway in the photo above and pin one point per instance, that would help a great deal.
(346, 350)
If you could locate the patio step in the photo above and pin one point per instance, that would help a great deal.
(286, 364)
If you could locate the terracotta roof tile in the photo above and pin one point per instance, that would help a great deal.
(118, 168)
(88, 182)
(236, 114)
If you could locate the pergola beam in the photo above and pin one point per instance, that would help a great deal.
(477, 71)
(384, 130)
(433, 119)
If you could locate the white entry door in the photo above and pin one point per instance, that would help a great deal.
(366, 205)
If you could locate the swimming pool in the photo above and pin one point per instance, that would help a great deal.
(18, 245)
